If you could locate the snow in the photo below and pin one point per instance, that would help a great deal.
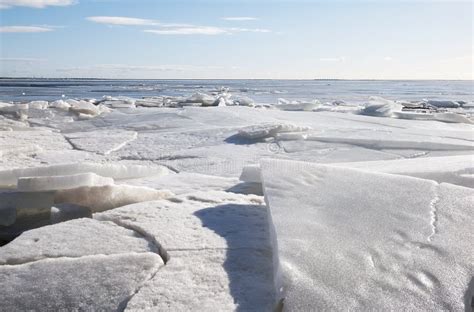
(404, 239)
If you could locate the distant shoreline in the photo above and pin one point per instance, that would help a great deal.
(223, 79)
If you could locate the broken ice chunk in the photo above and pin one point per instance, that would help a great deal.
(62, 182)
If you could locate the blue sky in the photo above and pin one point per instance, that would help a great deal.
(292, 39)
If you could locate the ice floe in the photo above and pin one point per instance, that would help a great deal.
(354, 240)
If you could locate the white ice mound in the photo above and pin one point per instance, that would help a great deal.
(38, 104)
(353, 240)
(202, 99)
(115, 171)
(72, 239)
(101, 198)
(83, 107)
(269, 130)
(29, 184)
(296, 105)
(452, 117)
(380, 107)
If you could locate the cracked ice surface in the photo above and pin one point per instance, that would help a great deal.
(214, 239)
(355, 240)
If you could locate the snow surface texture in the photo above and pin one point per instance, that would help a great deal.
(353, 240)
(208, 247)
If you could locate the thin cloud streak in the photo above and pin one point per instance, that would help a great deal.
(38, 4)
(122, 21)
(239, 18)
(24, 29)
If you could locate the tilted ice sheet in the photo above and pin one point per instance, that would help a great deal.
(451, 169)
(353, 240)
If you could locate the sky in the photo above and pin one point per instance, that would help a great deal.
(232, 39)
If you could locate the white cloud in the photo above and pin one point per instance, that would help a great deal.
(239, 18)
(388, 58)
(194, 30)
(202, 30)
(333, 59)
(39, 4)
(24, 29)
(123, 21)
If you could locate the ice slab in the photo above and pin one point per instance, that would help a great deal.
(28, 184)
(116, 171)
(89, 283)
(380, 107)
(353, 240)
(101, 198)
(209, 280)
(218, 247)
(73, 239)
(269, 130)
(450, 169)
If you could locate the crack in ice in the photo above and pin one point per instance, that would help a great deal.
(434, 213)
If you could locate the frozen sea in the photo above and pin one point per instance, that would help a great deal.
(179, 195)
(262, 91)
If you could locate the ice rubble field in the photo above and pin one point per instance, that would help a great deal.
(124, 204)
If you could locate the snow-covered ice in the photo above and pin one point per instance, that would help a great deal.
(354, 240)
(132, 204)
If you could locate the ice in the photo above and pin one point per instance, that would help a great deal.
(88, 283)
(60, 104)
(381, 107)
(38, 105)
(443, 103)
(218, 250)
(47, 183)
(203, 99)
(452, 117)
(251, 173)
(83, 107)
(101, 198)
(115, 171)
(449, 169)
(101, 141)
(73, 239)
(353, 240)
(286, 105)
(269, 130)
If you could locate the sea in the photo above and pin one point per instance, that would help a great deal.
(262, 91)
